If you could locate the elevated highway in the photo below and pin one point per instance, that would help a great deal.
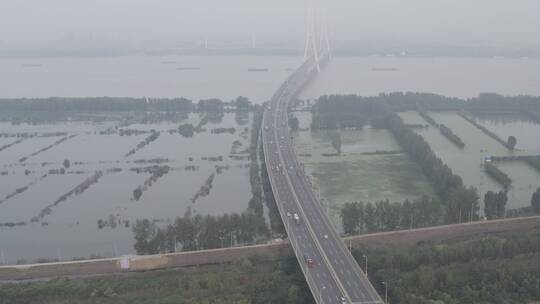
(330, 270)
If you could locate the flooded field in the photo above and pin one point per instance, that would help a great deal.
(116, 173)
(457, 77)
(526, 131)
(468, 162)
(357, 174)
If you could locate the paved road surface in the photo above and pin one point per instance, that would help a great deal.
(330, 270)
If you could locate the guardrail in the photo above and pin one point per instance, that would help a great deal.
(369, 288)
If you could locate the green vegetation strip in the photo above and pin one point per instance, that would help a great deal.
(445, 131)
(56, 143)
(499, 176)
(486, 131)
(495, 269)
(248, 281)
(2, 148)
(21, 189)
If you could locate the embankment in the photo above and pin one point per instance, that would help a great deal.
(268, 252)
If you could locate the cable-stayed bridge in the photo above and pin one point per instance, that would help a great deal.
(330, 270)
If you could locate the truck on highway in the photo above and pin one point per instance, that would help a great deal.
(309, 261)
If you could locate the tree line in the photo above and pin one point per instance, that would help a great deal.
(487, 270)
(462, 203)
(499, 176)
(198, 232)
(495, 204)
(247, 281)
(360, 217)
(124, 104)
(410, 101)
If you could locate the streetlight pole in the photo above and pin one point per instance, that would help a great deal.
(385, 292)
(365, 257)
(320, 294)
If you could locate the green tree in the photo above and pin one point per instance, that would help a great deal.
(490, 205)
(500, 207)
(463, 205)
(369, 218)
(294, 295)
(145, 233)
(242, 104)
(350, 214)
(535, 201)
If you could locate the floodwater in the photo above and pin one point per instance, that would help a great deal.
(356, 174)
(455, 77)
(526, 131)
(467, 162)
(227, 77)
(192, 77)
(71, 230)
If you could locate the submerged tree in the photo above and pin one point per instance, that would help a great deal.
(512, 141)
(294, 123)
(335, 138)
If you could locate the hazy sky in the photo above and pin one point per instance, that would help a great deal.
(97, 22)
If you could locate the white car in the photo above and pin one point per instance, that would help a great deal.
(288, 214)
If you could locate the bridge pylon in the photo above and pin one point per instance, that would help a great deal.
(317, 39)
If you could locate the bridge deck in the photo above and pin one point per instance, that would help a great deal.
(330, 270)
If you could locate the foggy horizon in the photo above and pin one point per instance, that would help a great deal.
(168, 24)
